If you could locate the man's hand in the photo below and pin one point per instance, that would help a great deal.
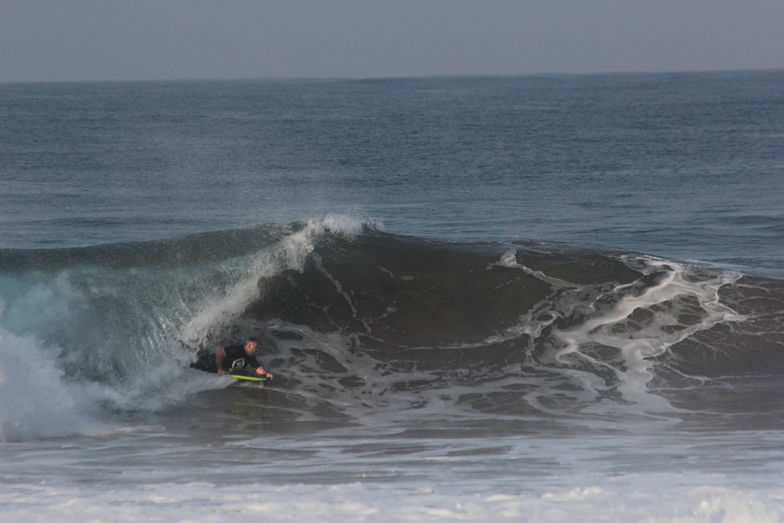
(263, 373)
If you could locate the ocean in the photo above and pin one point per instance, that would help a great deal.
(540, 298)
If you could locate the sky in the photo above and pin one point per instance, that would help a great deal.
(83, 40)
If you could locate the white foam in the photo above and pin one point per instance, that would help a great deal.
(632, 499)
(509, 260)
(38, 401)
(639, 346)
(35, 401)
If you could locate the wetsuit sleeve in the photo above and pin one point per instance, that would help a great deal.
(252, 362)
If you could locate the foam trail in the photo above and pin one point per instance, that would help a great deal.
(638, 349)
(509, 260)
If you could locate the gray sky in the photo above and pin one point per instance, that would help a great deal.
(175, 39)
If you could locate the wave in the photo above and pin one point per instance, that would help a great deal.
(357, 321)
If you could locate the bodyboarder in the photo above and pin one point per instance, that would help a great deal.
(233, 359)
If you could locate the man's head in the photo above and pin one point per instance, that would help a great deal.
(251, 346)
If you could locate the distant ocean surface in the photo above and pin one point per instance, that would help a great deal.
(550, 298)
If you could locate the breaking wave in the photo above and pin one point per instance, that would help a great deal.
(357, 323)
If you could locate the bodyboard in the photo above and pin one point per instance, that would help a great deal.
(204, 367)
(246, 378)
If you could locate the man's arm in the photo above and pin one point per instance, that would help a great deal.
(262, 372)
(219, 357)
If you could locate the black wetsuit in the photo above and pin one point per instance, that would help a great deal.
(236, 359)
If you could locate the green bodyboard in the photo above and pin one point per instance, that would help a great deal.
(246, 378)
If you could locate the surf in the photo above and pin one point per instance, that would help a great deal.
(358, 322)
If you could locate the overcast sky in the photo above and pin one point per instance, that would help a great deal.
(177, 39)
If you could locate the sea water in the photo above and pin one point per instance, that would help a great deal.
(551, 298)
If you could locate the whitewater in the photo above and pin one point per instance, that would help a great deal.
(552, 298)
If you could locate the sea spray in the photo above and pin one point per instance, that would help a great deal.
(35, 400)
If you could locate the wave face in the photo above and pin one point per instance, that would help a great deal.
(360, 323)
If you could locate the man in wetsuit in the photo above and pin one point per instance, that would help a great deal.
(233, 359)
